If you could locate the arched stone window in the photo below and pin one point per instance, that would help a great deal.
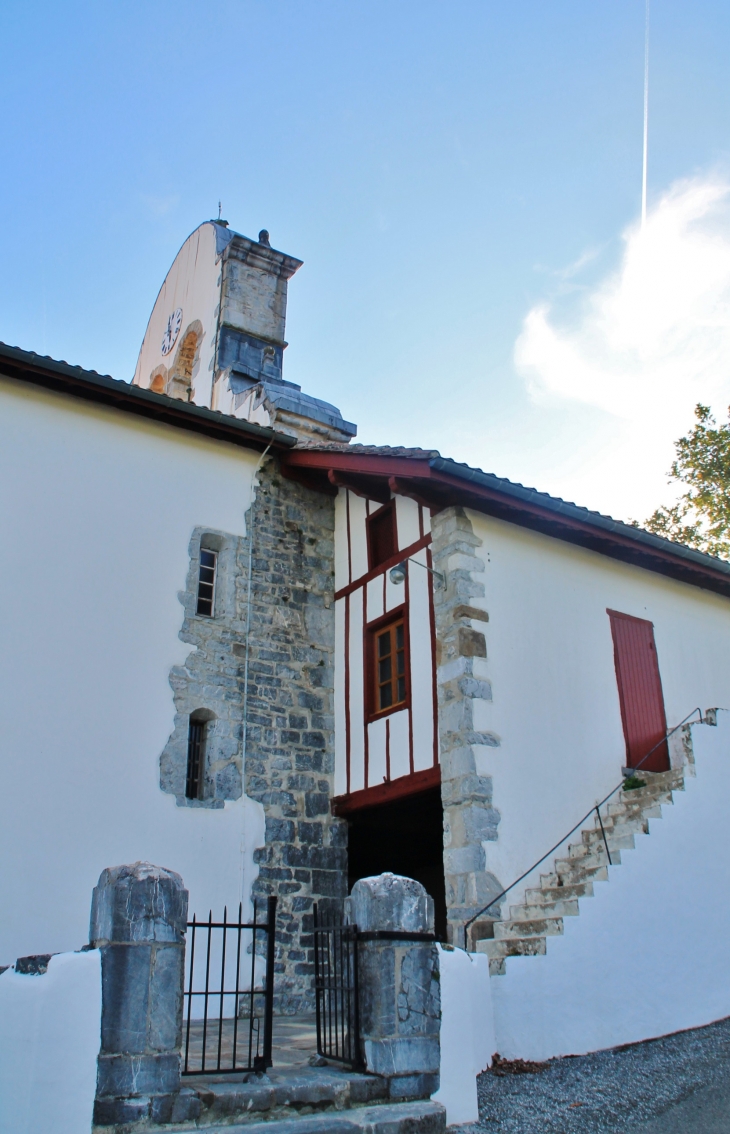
(182, 372)
(158, 380)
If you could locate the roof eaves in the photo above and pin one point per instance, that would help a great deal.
(576, 514)
(62, 377)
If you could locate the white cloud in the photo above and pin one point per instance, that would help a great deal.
(649, 341)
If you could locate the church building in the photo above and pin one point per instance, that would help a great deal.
(244, 646)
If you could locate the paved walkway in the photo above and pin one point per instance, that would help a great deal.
(294, 1040)
(676, 1085)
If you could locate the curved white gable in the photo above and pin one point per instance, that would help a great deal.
(192, 285)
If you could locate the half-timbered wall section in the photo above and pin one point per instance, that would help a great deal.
(385, 694)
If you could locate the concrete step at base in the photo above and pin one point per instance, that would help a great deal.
(424, 1117)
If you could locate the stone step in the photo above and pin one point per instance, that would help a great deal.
(621, 812)
(617, 827)
(213, 1101)
(560, 907)
(570, 877)
(585, 862)
(538, 927)
(590, 845)
(498, 948)
(423, 1117)
(546, 895)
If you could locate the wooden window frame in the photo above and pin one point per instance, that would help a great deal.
(390, 507)
(372, 629)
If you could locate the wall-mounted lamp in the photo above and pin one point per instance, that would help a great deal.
(398, 573)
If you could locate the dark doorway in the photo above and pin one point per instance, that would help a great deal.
(406, 837)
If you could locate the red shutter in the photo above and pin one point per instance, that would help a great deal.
(640, 691)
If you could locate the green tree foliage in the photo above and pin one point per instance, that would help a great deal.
(701, 516)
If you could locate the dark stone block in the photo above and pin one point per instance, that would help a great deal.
(313, 740)
(316, 804)
(279, 830)
(129, 1076)
(136, 903)
(330, 883)
(296, 720)
(413, 1086)
(115, 1112)
(125, 982)
(166, 1000)
(311, 833)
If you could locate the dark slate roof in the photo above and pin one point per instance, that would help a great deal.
(52, 374)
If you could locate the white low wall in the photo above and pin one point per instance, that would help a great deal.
(50, 1033)
(649, 954)
(467, 1032)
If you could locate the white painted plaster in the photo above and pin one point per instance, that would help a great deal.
(357, 694)
(375, 590)
(648, 954)
(467, 1031)
(193, 284)
(50, 1033)
(358, 539)
(406, 516)
(342, 577)
(400, 754)
(340, 720)
(426, 514)
(421, 660)
(555, 703)
(376, 752)
(101, 520)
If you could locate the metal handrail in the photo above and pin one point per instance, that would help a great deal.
(596, 807)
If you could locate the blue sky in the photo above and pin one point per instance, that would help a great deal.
(461, 179)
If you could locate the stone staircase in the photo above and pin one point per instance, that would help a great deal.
(525, 932)
(306, 1100)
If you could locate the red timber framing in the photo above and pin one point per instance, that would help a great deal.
(387, 792)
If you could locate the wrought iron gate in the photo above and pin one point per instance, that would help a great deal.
(223, 1017)
(336, 990)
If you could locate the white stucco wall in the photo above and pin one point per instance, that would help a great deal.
(467, 1031)
(50, 1032)
(97, 508)
(649, 953)
(192, 284)
(555, 705)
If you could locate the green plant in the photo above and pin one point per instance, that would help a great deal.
(631, 783)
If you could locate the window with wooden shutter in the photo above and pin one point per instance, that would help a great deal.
(388, 665)
(382, 536)
(640, 692)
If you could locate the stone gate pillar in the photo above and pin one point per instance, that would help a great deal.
(138, 922)
(400, 1003)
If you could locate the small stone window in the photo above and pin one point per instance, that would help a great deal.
(196, 759)
(388, 650)
(206, 582)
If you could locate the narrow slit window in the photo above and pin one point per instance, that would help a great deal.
(196, 759)
(206, 582)
(389, 662)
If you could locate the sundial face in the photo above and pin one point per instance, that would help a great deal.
(172, 330)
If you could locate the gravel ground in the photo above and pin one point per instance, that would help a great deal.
(680, 1082)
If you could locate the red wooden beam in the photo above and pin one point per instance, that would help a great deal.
(387, 792)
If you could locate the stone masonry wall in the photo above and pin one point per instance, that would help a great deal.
(289, 763)
(470, 820)
(290, 759)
